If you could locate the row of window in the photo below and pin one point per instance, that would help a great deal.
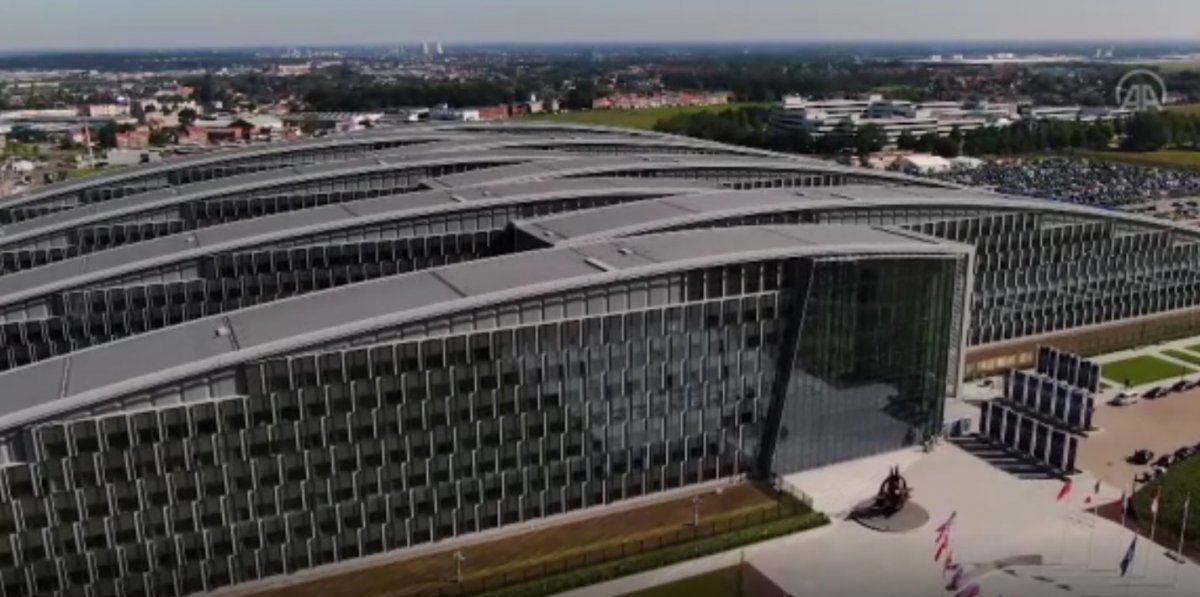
(253, 204)
(179, 563)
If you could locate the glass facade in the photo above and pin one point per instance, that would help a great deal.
(873, 349)
(324, 456)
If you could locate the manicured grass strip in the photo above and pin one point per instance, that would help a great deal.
(1194, 348)
(645, 118)
(1142, 370)
(1184, 356)
(664, 557)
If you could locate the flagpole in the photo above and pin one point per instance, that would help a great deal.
(1062, 546)
(1091, 538)
(1155, 506)
(1187, 502)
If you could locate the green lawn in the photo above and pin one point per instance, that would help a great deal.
(1184, 108)
(1184, 356)
(82, 172)
(1142, 370)
(638, 119)
(1180, 480)
(1168, 158)
(719, 583)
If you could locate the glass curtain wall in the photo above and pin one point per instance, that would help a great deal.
(873, 347)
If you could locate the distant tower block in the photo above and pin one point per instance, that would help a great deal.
(440, 51)
(425, 48)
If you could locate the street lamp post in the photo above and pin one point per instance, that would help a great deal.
(696, 511)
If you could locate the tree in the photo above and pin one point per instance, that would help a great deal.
(927, 142)
(1146, 131)
(945, 147)
(906, 141)
(187, 117)
(868, 139)
(162, 137)
(106, 136)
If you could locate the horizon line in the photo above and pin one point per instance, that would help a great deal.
(599, 42)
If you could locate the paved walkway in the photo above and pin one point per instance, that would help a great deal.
(999, 517)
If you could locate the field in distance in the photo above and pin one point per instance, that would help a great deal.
(638, 119)
(1180, 159)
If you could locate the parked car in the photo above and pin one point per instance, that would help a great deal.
(1126, 398)
(1181, 385)
(1163, 461)
(1184, 453)
(1155, 393)
(1141, 457)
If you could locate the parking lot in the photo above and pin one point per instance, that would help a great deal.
(1161, 425)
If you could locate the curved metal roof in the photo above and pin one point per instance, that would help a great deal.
(360, 139)
(134, 204)
(94, 268)
(674, 212)
(59, 385)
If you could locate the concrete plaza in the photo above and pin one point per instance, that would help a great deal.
(999, 516)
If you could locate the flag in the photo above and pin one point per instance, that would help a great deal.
(1128, 558)
(1065, 491)
(971, 590)
(1095, 494)
(943, 528)
(942, 548)
(955, 579)
(1154, 504)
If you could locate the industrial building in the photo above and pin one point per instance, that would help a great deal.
(261, 361)
(897, 117)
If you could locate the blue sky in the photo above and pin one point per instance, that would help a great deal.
(27, 24)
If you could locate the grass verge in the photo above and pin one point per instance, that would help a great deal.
(1142, 370)
(664, 557)
(639, 119)
(1183, 355)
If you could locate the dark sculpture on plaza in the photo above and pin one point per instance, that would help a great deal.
(893, 495)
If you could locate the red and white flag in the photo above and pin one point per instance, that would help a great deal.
(1065, 491)
(943, 548)
(944, 528)
(1154, 504)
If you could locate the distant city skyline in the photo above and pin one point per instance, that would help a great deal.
(78, 24)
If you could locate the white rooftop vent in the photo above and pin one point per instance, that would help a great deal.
(221, 331)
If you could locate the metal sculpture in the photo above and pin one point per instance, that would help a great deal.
(893, 495)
